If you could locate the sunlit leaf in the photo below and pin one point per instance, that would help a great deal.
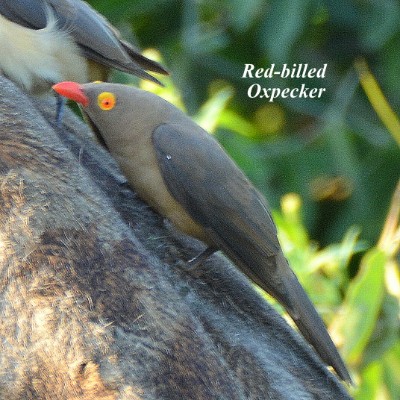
(336, 257)
(391, 364)
(210, 112)
(372, 378)
(361, 307)
(236, 123)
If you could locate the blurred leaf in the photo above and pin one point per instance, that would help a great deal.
(390, 236)
(293, 235)
(210, 112)
(392, 279)
(233, 121)
(386, 331)
(331, 188)
(372, 378)
(336, 257)
(244, 13)
(391, 364)
(336, 131)
(379, 22)
(197, 37)
(119, 9)
(380, 380)
(269, 119)
(378, 100)
(168, 91)
(283, 25)
(292, 231)
(343, 13)
(361, 306)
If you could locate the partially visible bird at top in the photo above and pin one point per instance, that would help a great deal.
(43, 42)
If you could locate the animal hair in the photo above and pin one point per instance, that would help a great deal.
(95, 300)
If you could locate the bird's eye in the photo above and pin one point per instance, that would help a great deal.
(106, 101)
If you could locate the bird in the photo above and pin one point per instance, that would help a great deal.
(181, 171)
(43, 42)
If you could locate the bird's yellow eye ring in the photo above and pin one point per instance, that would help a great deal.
(106, 101)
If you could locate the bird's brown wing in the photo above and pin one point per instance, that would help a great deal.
(217, 195)
(98, 40)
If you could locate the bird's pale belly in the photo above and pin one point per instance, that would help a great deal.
(145, 178)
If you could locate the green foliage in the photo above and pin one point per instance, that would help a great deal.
(337, 153)
(362, 305)
(363, 311)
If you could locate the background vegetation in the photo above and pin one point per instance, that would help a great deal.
(329, 167)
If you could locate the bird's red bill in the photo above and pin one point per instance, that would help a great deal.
(72, 91)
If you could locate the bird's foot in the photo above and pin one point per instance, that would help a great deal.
(61, 101)
(200, 258)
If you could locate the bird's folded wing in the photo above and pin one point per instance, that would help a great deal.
(216, 194)
(28, 13)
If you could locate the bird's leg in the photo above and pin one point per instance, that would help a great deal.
(61, 101)
(200, 258)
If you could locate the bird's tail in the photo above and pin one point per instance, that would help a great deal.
(140, 59)
(301, 310)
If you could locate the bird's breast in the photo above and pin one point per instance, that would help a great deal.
(138, 162)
